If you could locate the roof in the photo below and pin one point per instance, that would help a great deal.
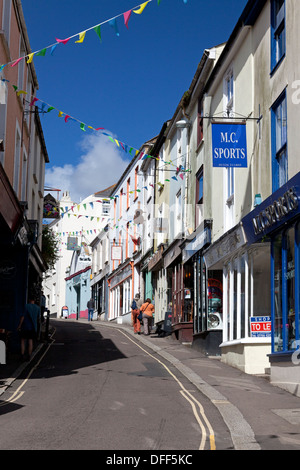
(105, 192)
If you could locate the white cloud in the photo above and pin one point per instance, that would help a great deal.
(100, 166)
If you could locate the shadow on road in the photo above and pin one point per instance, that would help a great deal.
(76, 346)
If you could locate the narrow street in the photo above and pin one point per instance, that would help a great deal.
(99, 388)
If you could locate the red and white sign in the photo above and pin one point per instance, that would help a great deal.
(260, 326)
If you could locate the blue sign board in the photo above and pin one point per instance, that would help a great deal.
(229, 142)
(274, 212)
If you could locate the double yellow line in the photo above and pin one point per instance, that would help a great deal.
(199, 412)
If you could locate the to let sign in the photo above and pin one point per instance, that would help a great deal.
(260, 327)
(229, 142)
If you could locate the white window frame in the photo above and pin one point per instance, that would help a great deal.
(24, 176)
(6, 19)
(17, 159)
(178, 214)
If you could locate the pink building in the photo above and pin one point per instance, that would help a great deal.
(23, 156)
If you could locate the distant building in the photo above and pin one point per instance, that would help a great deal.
(77, 226)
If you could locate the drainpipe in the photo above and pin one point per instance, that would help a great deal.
(132, 276)
(185, 125)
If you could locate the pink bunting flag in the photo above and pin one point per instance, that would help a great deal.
(63, 41)
(181, 176)
(127, 15)
(66, 118)
(16, 62)
(33, 101)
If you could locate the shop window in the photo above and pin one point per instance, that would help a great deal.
(285, 302)
(261, 276)
(279, 143)
(289, 275)
(278, 321)
(215, 300)
(243, 267)
(278, 35)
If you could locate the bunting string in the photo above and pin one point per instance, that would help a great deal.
(82, 34)
(46, 108)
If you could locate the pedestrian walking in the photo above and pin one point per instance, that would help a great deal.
(135, 310)
(28, 326)
(148, 310)
(91, 306)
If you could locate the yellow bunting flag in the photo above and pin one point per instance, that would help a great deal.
(81, 37)
(30, 57)
(141, 9)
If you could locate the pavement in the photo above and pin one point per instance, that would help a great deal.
(259, 415)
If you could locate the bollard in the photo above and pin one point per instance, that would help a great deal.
(47, 325)
(2, 352)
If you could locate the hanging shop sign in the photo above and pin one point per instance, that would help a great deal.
(275, 211)
(72, 244)
(229, 142)
(116, 253)
(51, 208)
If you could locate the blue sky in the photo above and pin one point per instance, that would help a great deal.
(129, 84)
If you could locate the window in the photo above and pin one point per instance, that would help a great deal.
(127, 194)
(21, 67)
(199, 196)
(17, 162)
(230, 182)
(285, 274)
(279, 143)
(24, 176)
(136, 182)
(200, 122)
(6, 20)
(277, 32)
(199, 187)
(228, 93)
(178, 218)
(105, 207)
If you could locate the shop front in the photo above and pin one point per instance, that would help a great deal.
(278, 219)
(207, 301)
(238, 272)
(121, 285)
(180, 282)
(14, 260)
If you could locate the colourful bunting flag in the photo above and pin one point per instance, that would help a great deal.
(97, 29)
(113, 24)
(30, 57)
(16, 62)
(142, 8)
(81, 37)
(63, 41)
(127, 15)
(33, 101)
(53, 49)
(42, 52)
